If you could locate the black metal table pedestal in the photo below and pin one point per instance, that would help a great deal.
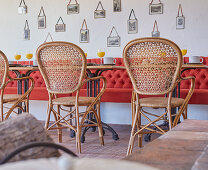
(90, 93)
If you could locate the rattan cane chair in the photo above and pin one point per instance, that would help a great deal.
(11, 99)
(154, 67)
(63, 67)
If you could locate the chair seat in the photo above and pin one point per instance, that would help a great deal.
(160, 102)
(70, 101)
(11, 97)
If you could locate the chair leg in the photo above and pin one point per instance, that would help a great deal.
(78, 133)
(9, 112)
(59, 126)
(132, 137)
(27, 105)
(78, 141)
(48, 115)
(78, 138)
(170, 118)
(100, 129)
(138, 128)
(2, 112)
(186, 112)
(133, 106)
(131, 144)
(140, 140)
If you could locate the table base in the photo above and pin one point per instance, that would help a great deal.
(105, 127)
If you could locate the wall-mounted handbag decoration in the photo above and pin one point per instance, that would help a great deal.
(41, 19)
(48, 36)
(116, 5)
(155, 33)
(84, 33)
(72, 8)
(60, 27)
(99, 13)
(132, 23)
(180, 19)
(26, 31)
(155, 8)
(22, 9)
(113, 41)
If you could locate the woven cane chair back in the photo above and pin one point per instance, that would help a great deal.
(4, 68)
(63, 66)
(153, 65)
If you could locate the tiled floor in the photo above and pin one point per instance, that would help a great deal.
(92, 148)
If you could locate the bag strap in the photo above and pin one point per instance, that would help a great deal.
(99, 4)
(132, 12)
(112, 31)
(26, 25)
(70, 2)
(60, 19)
(153, 1)
(155, 26)
(84, 24)
(48, 36)
(41, 11)
(22, 2)
(180, 10)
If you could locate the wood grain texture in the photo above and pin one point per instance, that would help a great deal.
(184, 147)
(21, 130)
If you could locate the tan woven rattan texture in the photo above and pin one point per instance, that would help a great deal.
(152, 65)
(14, 99)
(62, 66)
(3, 70)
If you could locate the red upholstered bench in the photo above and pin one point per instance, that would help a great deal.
(38, 93)
(200, 95)
(119, 87)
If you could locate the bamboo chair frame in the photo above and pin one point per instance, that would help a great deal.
(80, 119)
(168, 102)
(14, 99)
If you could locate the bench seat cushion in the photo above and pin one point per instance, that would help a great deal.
(119, 87)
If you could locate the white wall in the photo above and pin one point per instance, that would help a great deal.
(120, 113)
(194, 37)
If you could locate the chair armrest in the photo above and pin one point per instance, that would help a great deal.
(191, 91)
(19, 79)
(93, 79)
(97, 98)
(187, 78)
(23, 96)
